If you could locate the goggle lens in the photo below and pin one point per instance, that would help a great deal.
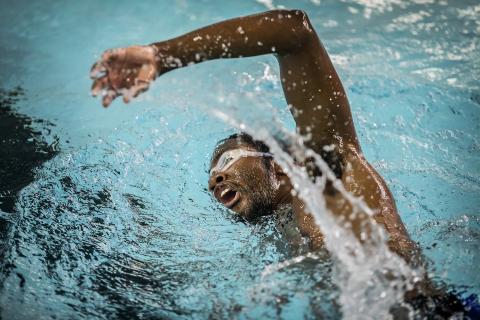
(228, 158)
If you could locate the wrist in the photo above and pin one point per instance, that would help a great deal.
(165, 59)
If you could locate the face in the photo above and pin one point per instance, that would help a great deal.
(248, 185)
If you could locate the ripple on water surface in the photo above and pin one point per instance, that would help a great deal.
(119, 224)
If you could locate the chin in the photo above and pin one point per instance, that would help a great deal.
(242, 210)
(250, 214)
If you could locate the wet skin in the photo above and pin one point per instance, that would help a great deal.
(252, 186)
(317, 101)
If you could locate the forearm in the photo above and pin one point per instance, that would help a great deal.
(312, 87)
(280, 32)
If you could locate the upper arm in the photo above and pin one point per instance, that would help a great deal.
(321, 110)
(315, 93)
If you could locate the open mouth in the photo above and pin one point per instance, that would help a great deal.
(227, 195)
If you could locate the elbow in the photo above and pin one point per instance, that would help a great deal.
(299, 19)
(302, 20)
(303, 24)
(299, 24)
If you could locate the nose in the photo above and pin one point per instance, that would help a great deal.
(215, 179)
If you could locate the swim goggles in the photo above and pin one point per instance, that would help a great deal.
(228, 158)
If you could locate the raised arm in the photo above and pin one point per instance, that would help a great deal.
(311, 85)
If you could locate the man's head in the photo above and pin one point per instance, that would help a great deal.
(245, 178)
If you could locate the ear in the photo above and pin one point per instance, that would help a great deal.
(282, 178)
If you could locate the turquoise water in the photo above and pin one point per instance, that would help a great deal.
(119, 223)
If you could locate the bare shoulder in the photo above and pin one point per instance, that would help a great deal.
(361, 179)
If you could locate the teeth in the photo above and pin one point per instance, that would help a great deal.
(224, 192)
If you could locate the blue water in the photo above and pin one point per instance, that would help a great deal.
(119, 223)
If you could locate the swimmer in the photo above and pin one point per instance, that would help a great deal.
(243, 176)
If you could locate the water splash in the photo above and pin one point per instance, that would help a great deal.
(177, 241)
(369, 274)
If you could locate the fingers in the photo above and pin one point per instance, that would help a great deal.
(135, 90)
(139, 89)
(126, 97)
(109, 97)
(146, 74)
(98, 70)
(109, 94)
(99, 85)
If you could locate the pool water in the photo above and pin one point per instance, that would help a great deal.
(112, 218)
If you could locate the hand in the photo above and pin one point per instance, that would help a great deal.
(124, 72)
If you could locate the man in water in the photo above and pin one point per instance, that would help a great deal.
(244, 177)
(243, 174)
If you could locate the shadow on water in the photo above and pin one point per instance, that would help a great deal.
(23, 150)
